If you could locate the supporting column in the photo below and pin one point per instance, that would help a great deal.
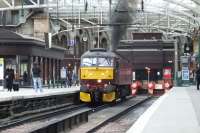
(30, 66)
(54, 70)
(59, 67)
(50, 70)
(43, 73)
(17, 73)
(41, 68)
(46, 71)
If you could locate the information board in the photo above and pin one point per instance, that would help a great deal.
(63, 74)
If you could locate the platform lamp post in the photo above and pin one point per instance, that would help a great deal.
(198, 49)
(148, 74)
(175, 62)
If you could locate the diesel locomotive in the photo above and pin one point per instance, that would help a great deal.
(105, 76)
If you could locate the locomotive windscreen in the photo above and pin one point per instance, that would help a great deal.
(97, 61)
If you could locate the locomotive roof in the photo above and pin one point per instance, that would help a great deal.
(99, 54)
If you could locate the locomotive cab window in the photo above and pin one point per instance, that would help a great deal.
(105, 61)
(89, 62)
(97, 61)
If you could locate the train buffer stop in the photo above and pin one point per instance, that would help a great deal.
(177, 111)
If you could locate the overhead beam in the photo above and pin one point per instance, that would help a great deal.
(88, 21)
(33, 2)
(27, 7)
(7, 3)
(157, 21)
(196, 1)
(143, 50)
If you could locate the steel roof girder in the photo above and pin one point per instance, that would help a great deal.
(170, 10)
(196, 1)
(184, 5)
(173, 16)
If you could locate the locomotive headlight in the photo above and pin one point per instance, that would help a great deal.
(99, 81)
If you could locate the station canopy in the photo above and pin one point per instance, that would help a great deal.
(172, 17)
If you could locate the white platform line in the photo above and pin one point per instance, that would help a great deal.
(140, 124)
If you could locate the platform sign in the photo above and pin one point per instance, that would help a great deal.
(185, 74)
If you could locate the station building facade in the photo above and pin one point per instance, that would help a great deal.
(19, 53)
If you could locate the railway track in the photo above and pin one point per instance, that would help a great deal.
(38, 115)
(123, 123)
(48, 114)
(118, 115)
(68, 116)
(99, 119)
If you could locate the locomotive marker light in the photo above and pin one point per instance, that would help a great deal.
(167, 85)
(134, 88)
(134, 85)
(151, 87)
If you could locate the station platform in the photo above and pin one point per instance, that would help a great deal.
(25, 93)
(177, 111)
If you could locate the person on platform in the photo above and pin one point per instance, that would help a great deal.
(198, 77)
(9, 77)
(69, 77)
(25, 77)
(37, 83)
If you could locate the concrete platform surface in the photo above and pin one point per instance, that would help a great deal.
(178, 111)
(30, 93)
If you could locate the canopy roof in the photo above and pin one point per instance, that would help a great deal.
(167, 16)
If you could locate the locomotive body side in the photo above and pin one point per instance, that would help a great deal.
(124, 72)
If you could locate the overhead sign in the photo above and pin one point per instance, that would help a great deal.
(185, 74)
(1, 68)
(184, 59)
